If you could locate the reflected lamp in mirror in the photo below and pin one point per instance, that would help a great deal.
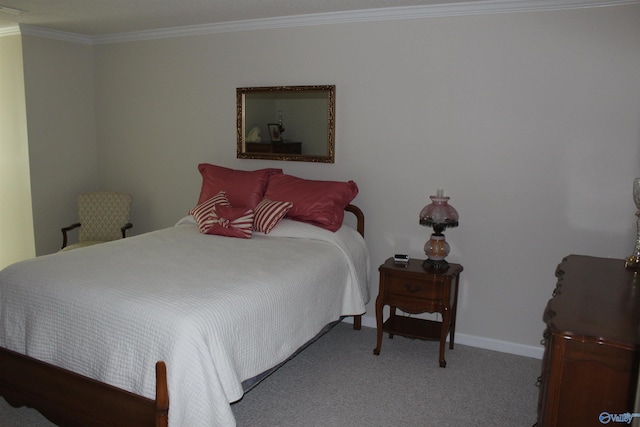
(633, 261)
(439, 214)
(286, 123)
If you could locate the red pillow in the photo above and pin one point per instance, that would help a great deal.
(231, 222)
(243, 188)
(319, 203)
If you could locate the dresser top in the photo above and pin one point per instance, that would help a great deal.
(596, 299)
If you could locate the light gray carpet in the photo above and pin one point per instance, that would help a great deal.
(337, 381)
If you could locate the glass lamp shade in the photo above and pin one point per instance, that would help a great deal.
(439, 215)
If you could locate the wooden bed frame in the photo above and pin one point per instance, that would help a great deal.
(72, 400)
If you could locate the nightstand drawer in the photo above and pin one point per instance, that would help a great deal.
(407, 287)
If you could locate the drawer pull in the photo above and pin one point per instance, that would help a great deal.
(545, 337)
(413, 288)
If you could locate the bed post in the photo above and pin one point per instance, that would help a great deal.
(359, 217)
(357, 320)
(162, 395)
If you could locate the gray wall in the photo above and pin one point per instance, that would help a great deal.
(60, 97)
(529, 121)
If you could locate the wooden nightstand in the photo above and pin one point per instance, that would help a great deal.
(415, 290)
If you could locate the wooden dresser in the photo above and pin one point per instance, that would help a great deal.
(590, 363)
(274, 147)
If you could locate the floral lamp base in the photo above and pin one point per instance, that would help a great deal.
(436, 249)
(633, 261)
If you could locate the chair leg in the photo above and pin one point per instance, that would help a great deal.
(124, 229)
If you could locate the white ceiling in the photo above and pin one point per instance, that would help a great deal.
(101, 17)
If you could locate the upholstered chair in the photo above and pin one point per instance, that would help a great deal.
(103, 216)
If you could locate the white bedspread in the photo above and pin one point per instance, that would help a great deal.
(217, 310)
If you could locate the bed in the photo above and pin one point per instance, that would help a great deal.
(106, 335)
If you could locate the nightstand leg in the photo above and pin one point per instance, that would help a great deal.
(392, 314)
(452, 327)
(446, 319)
(379, 307)
(454, 309)
(452, 335)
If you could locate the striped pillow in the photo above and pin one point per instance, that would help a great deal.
(202, 212)
(231, 222)
(268, 214)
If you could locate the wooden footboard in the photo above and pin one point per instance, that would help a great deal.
(69, 399)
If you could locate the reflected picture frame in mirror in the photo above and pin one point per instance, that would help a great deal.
(291, 123)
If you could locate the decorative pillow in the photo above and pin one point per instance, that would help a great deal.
(202, 212)
(243, 188)
(269, 213)
(231, 222)
(319, 203)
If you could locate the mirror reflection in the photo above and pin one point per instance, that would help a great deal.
(286, 123)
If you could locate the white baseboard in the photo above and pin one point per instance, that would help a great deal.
(498, 345)
(535, 352)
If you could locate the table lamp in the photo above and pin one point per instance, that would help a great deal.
(439, 215)
(633, 261)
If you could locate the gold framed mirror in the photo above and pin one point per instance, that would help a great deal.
(295, 123)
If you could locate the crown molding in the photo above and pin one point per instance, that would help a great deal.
(368, 15)
(9, 31)
(31, 30)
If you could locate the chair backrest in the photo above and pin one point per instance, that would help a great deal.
(102, 215)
